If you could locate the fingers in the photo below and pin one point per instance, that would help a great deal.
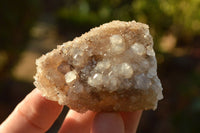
(108, 123)
(131, 120)
(125, 122)
(34, 114)
(77, 122)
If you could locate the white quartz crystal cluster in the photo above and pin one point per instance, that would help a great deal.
(111, 68)
(135, 63)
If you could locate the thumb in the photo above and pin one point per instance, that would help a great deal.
(108, 123)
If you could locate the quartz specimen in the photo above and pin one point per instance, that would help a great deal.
(110, 68)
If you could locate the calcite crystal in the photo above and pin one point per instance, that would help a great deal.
(110, 68)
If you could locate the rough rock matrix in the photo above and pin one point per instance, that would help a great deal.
(110, 68)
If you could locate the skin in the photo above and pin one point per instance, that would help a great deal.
(35, 114)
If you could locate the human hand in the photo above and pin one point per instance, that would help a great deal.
(35, 114)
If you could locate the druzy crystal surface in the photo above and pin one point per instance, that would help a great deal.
(110, 68)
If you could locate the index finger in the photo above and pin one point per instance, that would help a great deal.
(34, 114)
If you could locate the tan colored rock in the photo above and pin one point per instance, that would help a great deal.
(110, 68)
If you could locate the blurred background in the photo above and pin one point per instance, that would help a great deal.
(30, 28)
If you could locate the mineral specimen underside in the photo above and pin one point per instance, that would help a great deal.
(110, 68)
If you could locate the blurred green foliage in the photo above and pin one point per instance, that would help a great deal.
(174, 25)
(16, 19)
(178, 16)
